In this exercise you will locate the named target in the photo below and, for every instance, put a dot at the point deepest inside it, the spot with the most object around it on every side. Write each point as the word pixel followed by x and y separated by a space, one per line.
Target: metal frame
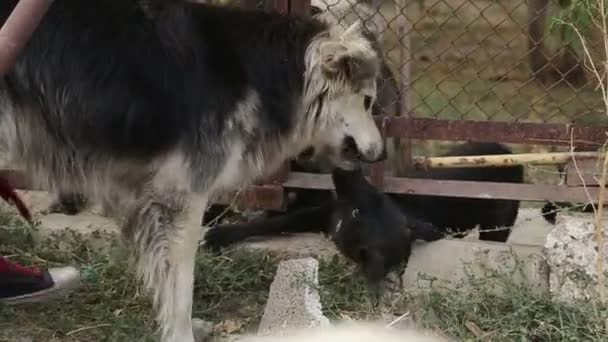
pixel 271 192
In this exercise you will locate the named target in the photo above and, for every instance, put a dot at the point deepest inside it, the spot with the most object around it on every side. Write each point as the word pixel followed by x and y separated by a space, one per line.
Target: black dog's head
pixel 368 227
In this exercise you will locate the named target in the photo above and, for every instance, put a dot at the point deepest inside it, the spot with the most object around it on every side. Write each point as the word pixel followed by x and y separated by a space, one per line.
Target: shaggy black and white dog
pixel 140 112
pixel 334 12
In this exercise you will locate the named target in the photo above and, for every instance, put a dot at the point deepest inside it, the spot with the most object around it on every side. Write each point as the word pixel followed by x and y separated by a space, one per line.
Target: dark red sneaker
pixel 20 284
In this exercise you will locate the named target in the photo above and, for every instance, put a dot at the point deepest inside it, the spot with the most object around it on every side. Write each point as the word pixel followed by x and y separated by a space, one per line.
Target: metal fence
pixel 484 60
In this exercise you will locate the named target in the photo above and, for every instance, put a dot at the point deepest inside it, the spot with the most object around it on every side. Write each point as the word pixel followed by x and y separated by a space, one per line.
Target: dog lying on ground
pixel 376 230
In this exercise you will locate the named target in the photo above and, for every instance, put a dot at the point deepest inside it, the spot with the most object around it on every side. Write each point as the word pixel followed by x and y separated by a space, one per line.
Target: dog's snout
pixel 369 154
pixel 374 153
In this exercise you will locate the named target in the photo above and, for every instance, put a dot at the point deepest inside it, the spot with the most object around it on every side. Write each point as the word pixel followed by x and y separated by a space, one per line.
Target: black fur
pixel 462 214
pixel 107 49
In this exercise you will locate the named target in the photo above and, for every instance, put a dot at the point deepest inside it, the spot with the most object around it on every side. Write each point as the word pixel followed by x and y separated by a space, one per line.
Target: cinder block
pixel 452 261
pixel 572 254
pixel 293 300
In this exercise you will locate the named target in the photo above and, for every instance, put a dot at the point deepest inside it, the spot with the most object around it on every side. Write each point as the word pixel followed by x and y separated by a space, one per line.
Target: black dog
pixel 458 215
pixel 376 230
pixel 365 225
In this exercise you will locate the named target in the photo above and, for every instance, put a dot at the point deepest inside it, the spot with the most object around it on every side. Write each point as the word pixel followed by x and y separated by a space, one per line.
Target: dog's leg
pixel 164 231
pixel 316 219
pixel 67 203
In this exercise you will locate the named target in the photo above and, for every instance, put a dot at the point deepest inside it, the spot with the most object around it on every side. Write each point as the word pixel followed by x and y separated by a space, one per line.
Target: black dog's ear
pixel 424 231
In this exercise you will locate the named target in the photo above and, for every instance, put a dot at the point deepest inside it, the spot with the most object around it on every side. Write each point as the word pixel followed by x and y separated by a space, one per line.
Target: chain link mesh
pixel 477 60
pixel 488 60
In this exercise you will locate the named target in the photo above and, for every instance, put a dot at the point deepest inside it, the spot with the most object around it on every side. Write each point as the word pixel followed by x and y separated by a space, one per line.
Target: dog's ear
pixel 350 56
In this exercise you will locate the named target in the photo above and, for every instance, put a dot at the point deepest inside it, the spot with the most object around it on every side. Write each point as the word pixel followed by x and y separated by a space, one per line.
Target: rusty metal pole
pixel 18 29
pixel 403 148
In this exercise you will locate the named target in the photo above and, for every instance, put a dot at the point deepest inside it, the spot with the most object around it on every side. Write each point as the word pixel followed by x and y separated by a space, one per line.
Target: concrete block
pixel 572 255
pixel 293 300
pixel 452 261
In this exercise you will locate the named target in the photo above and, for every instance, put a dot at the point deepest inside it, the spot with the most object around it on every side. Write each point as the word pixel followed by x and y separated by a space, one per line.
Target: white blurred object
pixel 349 332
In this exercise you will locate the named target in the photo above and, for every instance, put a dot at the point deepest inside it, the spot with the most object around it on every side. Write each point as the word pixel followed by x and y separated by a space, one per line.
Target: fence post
pixel 18 29
pixel 403 148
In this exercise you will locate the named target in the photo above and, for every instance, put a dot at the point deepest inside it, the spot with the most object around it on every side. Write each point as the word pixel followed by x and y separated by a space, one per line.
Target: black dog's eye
pixel 355 213
pixel 367 102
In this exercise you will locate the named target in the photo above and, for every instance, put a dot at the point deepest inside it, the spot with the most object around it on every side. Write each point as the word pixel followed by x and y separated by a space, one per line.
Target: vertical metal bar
pixel 377 169
pixel 404 145
pixel 18 29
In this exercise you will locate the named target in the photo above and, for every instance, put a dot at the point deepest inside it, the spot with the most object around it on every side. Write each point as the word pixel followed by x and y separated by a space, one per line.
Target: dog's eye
pixel 367 102
pixel 355 213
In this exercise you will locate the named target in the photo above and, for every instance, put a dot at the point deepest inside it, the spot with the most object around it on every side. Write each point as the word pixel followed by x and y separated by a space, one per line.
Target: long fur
pixel 387 102
pixel 139 110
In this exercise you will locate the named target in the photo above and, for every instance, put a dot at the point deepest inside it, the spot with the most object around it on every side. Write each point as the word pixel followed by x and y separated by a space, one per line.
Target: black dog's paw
pixel 71 204
pixel 216 239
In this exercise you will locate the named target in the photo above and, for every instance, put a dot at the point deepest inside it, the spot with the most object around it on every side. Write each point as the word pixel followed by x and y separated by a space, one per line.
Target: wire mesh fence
pixel 481 59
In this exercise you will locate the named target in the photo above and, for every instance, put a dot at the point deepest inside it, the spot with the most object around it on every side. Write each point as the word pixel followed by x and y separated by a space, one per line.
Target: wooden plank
pixel 450 188
pixel 503 160
pixel 590 173
pixel 18 28
pixel 269 197
pixel 495 131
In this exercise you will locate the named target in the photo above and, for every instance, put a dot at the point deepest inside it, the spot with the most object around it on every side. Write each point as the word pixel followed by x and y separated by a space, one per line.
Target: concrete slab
pixel 448 261
pixel 530 228
pixel 293 246
pixel 293 300
pixel 572 254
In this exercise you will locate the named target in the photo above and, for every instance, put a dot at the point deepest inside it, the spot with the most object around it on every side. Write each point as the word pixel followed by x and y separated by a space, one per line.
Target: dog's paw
pixel 67 204
pixel 202 330
pixel 215 239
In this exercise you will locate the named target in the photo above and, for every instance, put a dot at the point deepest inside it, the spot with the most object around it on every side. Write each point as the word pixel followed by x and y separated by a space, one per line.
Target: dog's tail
pixel 8 193
pixel 549 212
pixel 313 220
pixel 424 231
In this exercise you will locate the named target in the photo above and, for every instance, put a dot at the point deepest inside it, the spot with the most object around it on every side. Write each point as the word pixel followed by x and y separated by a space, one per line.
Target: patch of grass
pixel 476 313
pixel 342 291
pixel 231 290
pixel 110 307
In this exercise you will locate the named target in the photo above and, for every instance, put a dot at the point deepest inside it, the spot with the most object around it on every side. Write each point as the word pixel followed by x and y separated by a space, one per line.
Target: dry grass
pixel 231 290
